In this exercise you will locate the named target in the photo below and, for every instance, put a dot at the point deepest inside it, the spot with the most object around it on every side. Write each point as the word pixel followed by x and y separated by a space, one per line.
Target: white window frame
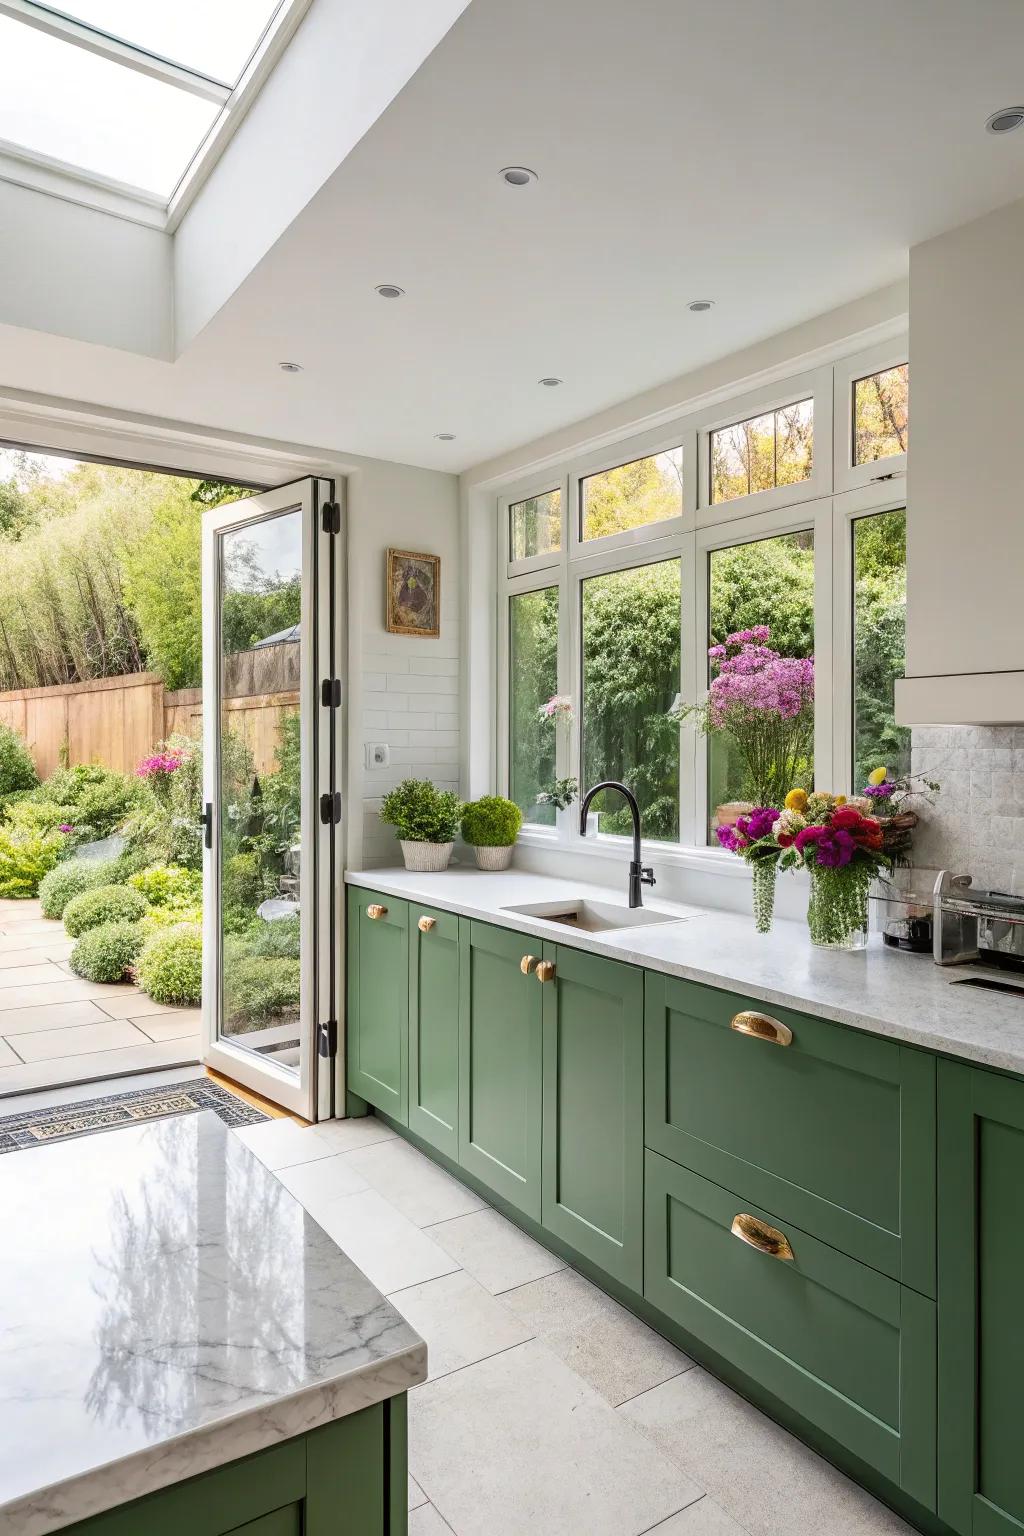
pixel 551 558
pixel 861 365
pixel 645 446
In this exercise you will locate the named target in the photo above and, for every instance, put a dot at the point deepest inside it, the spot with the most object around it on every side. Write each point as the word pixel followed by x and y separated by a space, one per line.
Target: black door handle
pixel 206 822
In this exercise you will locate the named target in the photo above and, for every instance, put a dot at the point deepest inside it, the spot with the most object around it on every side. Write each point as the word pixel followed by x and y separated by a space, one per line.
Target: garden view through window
pixel 880 420
pixel 535 526
pixel 633 495
pixel 533 679
pixel 773 449
pixel 879 643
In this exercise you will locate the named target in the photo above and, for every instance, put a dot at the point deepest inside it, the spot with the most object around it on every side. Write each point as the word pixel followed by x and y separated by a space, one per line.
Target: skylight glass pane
pixel 60 100
pixel 214 37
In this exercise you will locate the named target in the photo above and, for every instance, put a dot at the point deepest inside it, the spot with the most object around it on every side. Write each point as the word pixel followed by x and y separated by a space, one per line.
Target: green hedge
pixel 107 952
pixel 170 967
pixel 104 904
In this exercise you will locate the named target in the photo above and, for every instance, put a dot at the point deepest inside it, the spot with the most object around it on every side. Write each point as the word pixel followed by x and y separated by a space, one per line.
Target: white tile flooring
pixel 549 1409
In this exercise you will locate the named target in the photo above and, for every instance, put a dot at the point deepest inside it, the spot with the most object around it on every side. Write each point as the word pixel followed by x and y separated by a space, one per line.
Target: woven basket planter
pixel 426 857
pixel 493 858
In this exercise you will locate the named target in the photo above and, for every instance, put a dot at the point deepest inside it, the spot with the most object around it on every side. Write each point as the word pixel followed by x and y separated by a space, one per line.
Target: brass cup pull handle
pixel 528 964
pixel 546 970
pixel 374 910
pixel 758 1234
pixel 426 923
pixel 762 1027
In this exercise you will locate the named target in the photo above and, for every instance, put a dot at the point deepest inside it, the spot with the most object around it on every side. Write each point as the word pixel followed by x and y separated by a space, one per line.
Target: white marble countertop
pixel 881 990
pixel 167 1306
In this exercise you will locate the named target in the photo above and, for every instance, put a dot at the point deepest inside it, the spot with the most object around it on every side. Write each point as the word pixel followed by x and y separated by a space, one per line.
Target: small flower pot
pixel 427 858
pixel 493 858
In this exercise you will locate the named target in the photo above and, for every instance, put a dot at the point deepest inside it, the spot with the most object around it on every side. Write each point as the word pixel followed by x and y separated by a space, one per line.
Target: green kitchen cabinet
pixel 500 1063
pixel 592 1175
pixel 377 1033
pixel 434 1027
pixel 981 1276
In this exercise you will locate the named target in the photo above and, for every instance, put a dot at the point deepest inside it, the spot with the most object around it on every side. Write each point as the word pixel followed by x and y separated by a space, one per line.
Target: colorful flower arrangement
pixel 766 703
pixel 890 801
pixel 558 708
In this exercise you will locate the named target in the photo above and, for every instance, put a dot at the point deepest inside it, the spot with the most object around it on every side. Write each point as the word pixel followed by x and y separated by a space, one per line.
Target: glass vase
pixel 764 872
pixel 837 911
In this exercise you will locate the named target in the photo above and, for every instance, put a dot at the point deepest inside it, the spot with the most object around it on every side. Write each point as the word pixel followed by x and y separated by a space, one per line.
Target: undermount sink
pixel 594 916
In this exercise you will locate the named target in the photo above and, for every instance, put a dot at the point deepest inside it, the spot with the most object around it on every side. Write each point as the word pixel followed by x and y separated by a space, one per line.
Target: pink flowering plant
pixel 765 701
pixel 753 837
pixel 159 769
pixel 558 708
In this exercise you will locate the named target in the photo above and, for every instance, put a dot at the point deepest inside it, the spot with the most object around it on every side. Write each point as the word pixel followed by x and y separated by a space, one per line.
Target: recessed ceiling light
pixel 390 291
pixel 445 437
pixel 1005 120
pixel 550 382
pixel 518 175
pixel 290 367
pixel 700 306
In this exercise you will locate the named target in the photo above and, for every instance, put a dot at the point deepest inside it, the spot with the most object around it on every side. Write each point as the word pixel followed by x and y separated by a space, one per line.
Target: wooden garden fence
pixel 117 721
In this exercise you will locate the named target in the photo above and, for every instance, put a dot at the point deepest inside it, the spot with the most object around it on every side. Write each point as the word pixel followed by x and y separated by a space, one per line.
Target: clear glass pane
pixel 261 875
pixel 632 495
pixel 630 682
pixel 535 526
pixel 768 582
pixel 879 643
pixel 214 37
pixel 533 679
pixel 64 102
pixel 880 420
pixel 763 452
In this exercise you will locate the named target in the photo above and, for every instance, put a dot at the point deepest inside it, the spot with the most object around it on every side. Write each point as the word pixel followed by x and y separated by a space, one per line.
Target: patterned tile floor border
pixel 35 1128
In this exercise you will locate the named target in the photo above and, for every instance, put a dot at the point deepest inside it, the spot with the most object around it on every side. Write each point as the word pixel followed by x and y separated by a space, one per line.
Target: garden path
pixel 56 1028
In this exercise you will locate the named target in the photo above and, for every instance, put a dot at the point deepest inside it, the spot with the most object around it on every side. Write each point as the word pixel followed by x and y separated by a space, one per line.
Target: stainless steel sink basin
pixel 594 916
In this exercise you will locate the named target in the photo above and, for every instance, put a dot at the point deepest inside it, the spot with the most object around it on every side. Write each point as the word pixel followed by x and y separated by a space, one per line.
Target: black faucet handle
pixel 647 875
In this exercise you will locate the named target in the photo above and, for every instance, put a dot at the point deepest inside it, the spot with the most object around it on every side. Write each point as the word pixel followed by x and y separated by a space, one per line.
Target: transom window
pixel 634 495
pixel 763 452
pixel 535 526
pixel 880 414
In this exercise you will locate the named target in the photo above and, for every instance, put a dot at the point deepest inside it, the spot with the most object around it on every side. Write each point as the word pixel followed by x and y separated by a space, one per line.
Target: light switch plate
pixel 378 754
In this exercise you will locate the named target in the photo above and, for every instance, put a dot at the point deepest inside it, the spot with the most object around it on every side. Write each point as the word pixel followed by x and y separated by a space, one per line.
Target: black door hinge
pixel 330 809
pixel 327 1038
pixel 330 693
pixel 331 517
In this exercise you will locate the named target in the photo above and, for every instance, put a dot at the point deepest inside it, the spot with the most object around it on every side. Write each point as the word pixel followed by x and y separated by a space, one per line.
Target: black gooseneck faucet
pixel 639 875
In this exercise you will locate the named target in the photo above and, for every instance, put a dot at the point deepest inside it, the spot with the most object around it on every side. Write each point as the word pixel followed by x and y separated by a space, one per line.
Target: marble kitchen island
pixel 183 1349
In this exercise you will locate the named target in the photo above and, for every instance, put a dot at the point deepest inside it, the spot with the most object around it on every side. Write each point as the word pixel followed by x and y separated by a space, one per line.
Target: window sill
pixel 709 861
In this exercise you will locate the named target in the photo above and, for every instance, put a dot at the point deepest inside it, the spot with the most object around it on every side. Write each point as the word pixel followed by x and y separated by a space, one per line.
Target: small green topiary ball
pixel 103 904
pixel 491 822
pixel 170 968
pixel 107 952
pixel 70 879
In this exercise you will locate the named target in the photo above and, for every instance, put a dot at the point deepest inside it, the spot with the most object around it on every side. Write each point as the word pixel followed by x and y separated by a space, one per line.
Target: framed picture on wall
pixel 413 594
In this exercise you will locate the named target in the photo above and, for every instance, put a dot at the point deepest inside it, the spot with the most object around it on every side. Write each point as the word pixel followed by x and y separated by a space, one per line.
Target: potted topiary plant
pixel 425 820
pixel 491 825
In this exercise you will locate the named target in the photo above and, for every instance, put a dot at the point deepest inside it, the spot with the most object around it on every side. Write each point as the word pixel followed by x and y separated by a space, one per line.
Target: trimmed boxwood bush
pixel 107 952
pixel 104 904
pixel 70 879
pixel 491 822
pixel 170 967
pixel 259 989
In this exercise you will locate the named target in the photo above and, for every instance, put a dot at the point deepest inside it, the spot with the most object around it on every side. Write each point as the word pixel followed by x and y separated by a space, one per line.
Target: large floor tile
pixel 347 1135
pixel 494 1251
pixel 99 1065
pixel 382 1242
pixel 58 1044
pixel 413 1184
pixel 768 1481
pixel 460 1321
pixel 319 1182
pixel 15 959
pixel 705 1518
pixel 519 1444
pixel 130 1003
pixel 28 922
pixel 44 994
pixel 14 940
pixel 34 1021
pixel 30 974
pixel 169 1026
pixel 282 1143
pixel 605 1344
pixel 7 1056
pixel 425 1521
pixel 416 1494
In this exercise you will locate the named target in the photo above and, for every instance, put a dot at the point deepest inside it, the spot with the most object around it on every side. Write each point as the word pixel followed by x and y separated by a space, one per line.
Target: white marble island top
pixel 167 1306
pixel 880 990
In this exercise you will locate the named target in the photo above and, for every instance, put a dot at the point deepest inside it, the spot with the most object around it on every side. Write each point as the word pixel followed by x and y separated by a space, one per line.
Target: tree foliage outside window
pixel 533 679
pixel 879 643
pixel 776 448
pixel 535 526
pixel 633 495
pixel 880 414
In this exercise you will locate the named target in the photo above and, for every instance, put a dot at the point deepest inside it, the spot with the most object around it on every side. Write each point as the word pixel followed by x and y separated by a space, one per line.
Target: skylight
pixel 123 95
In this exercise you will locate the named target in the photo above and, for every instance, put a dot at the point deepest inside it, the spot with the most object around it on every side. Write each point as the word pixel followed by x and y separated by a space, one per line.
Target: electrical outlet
pixel 378 754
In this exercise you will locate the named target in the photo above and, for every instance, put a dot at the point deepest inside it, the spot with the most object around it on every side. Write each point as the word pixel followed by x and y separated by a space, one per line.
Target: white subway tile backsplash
pixel 440 666
pixel 413 682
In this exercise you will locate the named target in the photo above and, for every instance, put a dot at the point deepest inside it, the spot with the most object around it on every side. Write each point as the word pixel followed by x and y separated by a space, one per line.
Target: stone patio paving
pixel 56 1028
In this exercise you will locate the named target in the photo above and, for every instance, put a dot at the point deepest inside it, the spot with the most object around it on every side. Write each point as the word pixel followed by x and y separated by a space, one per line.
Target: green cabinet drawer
pixel 834 1130
pixel 847 1348
pixel 981 1338
pixel 377 1031
pixel 434 1027
pixel 500 1064
pixel 592 1182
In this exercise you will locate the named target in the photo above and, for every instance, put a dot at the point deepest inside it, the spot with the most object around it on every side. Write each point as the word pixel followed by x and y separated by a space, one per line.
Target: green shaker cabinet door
pixel 378 1001
pixel 981 1336
pixel 500 1064
pixel 593 1110
pixel 434 1027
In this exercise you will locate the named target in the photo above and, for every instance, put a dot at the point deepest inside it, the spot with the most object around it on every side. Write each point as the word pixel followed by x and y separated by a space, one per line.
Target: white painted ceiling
pixel 779 158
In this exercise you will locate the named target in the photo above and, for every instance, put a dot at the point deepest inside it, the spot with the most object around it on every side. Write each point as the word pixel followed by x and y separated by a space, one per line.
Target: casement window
pixel 763 452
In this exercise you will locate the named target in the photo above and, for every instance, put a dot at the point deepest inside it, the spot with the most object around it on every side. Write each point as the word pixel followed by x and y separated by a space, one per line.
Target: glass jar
pixel 837 911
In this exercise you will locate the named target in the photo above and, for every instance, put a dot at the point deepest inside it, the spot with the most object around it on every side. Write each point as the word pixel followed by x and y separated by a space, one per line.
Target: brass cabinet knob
pixel 528 963
pixel 426 923
pixel 762 1027
pixel 546 970
pixel 374 910
pixel 758 1234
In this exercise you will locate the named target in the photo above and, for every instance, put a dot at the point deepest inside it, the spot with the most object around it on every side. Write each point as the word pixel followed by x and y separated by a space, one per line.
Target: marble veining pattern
pixel 905 997
pixel 168 1306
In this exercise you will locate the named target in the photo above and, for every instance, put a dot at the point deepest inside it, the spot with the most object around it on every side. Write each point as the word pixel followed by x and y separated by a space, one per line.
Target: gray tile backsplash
pixel 977 822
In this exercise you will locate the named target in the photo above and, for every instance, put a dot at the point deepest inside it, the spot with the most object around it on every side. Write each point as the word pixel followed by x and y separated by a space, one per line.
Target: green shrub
pixel 107 952
pixel 103 904
pixel 259 989
pixel 168 885
pixel 421 813
pixel 242 883
pixel 491 822
pixel 159 919
pixel 17 770
pixel 92 796
pixel 170 966
pixel 69 879
pixel 25 857
pixel 280 939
